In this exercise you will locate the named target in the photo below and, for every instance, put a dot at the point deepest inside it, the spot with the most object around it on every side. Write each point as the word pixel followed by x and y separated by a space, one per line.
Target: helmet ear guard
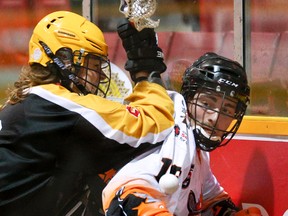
pixel 217 75
pixel 63 68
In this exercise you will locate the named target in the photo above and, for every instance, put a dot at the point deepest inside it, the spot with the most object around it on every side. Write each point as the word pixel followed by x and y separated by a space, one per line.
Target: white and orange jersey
pixel 177 155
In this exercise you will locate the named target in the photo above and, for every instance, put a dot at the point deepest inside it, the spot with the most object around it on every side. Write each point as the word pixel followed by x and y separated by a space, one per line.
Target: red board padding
pixel 254 172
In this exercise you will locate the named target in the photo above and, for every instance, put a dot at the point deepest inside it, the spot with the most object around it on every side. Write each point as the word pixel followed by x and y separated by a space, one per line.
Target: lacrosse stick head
pixel 139 12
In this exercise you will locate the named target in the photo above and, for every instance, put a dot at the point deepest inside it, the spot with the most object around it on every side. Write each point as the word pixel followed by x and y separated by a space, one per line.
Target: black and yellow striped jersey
pixel 54 139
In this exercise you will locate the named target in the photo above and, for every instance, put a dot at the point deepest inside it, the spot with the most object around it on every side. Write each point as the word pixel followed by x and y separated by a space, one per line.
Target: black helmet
pixel 217 75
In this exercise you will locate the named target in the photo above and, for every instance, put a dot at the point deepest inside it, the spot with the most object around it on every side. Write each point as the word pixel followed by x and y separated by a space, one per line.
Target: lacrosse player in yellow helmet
pixel 58 133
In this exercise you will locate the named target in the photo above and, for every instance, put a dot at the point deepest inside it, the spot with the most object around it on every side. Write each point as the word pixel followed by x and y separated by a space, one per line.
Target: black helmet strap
pixel 61 66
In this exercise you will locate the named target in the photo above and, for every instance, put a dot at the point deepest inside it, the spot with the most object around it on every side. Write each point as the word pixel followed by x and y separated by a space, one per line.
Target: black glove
pixel 141 48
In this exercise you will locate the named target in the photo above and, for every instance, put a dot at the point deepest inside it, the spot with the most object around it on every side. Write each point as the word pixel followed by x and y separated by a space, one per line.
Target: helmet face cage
pixel 89 66
pixel 207 141
pixel 221 77
pixel 92 71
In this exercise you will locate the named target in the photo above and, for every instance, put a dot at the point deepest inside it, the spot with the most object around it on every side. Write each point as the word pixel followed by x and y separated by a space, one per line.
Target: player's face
pixel 212 112
pixel 90 73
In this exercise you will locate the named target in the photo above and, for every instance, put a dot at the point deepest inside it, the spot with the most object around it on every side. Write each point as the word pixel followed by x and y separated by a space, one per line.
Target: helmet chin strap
pixel 62 67
pixel 203 140
pixel 203 132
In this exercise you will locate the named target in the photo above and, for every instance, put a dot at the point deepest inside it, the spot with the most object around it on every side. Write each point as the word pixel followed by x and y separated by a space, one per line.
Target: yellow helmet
pixel 75 48
pixel 65 29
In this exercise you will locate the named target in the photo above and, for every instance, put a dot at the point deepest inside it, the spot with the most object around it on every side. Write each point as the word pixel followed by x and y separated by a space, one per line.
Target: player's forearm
pixel 155 107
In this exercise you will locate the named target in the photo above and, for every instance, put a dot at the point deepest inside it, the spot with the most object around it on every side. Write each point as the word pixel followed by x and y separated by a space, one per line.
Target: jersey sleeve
pixel 146 118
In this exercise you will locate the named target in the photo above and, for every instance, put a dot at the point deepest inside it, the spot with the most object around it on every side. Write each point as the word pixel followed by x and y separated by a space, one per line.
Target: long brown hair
pixel 33 75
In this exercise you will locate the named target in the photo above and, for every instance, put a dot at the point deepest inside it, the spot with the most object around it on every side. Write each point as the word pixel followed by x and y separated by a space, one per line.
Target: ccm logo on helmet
pixel 227 82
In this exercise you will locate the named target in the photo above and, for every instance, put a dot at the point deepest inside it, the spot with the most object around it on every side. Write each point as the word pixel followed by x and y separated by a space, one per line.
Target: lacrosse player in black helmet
pixel 176 179
pixel 216 89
